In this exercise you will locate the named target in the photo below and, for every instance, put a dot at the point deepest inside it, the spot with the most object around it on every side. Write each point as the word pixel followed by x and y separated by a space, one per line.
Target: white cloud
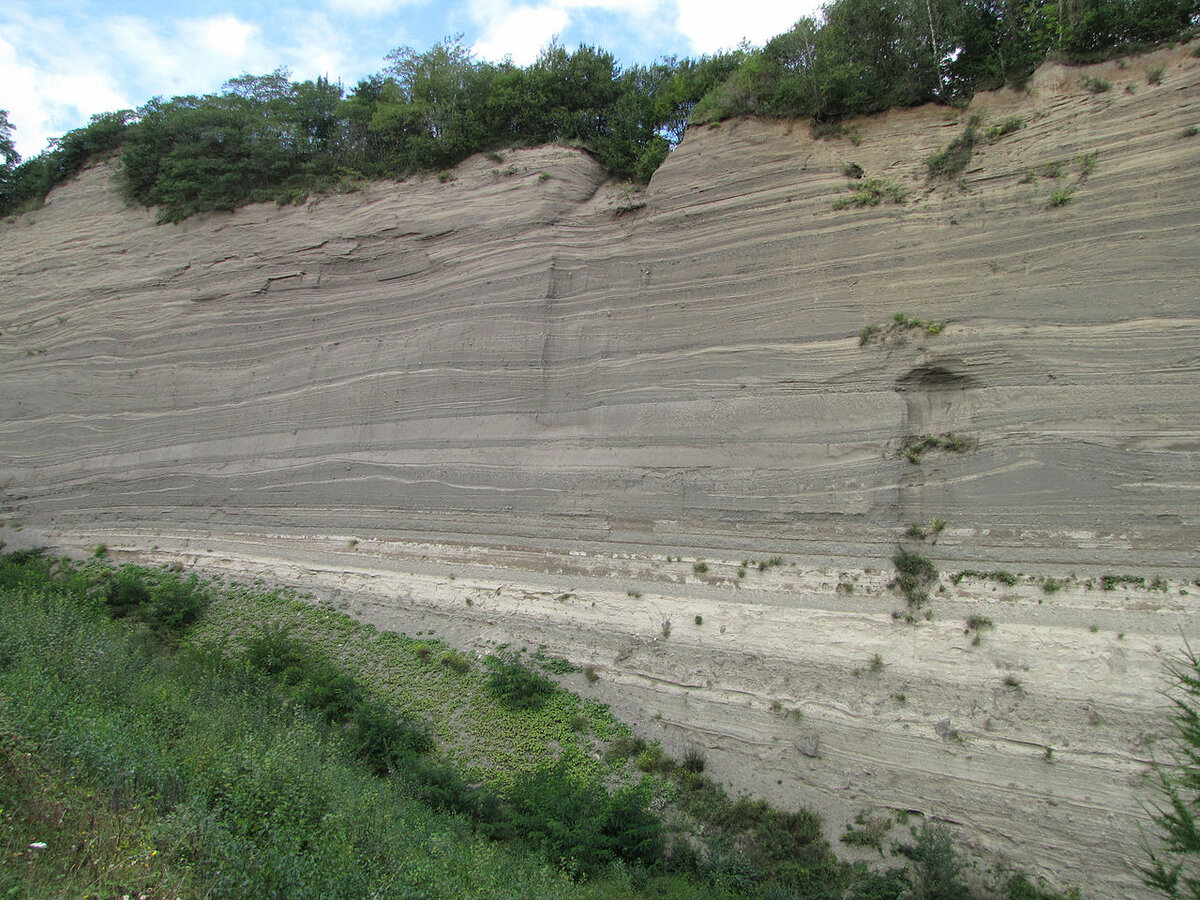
pixel 519 32
pixel 366 8
pixel 711 25
pixel 226 35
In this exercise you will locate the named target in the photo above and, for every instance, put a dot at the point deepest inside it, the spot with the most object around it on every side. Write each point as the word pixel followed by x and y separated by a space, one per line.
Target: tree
pixel 8 149
pixel 1174 867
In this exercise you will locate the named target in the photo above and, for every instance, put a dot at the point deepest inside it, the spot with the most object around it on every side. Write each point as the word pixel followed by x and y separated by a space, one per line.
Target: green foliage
pixel 693 760
pixel 514 684
pixel 1008 126
pixel 979 623
pixel 1173 869
pixel 577 823
pixel 936 865
pixel 1096 85
pixel 25 186
pixel 381 739
pixel 156 772
pixel 949 163
pixel 456 662
pixel 914 575
pixel 1155 75
pixel 1112 582
pixel 1003 577
pixel 916 448
pixel 871 192
pixel 868 831
pixel 1060 197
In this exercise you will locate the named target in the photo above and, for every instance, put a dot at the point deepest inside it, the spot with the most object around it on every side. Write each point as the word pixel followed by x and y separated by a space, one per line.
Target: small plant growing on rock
pixel 914 576
pixel 1096 85
pixel 949 163
pixel 870 831
pixel 916 448
pixel 1060 197
pixel 1008 126
pixel 872 192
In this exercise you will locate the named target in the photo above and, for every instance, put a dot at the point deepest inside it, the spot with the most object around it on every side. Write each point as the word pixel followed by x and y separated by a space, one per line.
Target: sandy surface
pixel 549 385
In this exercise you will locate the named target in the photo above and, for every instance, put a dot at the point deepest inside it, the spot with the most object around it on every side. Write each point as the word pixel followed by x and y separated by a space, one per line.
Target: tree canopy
pixel 266 137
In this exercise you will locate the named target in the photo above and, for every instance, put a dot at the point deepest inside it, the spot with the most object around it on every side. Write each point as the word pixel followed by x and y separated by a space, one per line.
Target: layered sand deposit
pixel 553 397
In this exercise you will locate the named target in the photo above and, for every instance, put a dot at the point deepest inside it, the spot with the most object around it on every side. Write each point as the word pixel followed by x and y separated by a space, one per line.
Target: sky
pixel 63 62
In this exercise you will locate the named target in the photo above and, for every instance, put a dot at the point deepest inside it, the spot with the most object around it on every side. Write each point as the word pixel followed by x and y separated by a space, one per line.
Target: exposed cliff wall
pixel 540 383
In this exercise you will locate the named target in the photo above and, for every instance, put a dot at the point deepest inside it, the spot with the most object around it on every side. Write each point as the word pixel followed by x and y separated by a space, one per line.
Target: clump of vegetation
pixel 1112 582
pixel 516 685
pixel 867 830
pixel 872 192
pixel 853 170
pixel 1096 85
pixel 950 162
pixel 901 323
pixel 914 576
pixel 555 665
pixel 1053 585
pixel 456 662
pixel 922 532
pixel 1173 869
pixel 1155 75
pixel 1008 126
pixel 979 623
pixel 1000 575
pixel 916 448
pixel 1053 170
pixel 700 568
pixel 764 565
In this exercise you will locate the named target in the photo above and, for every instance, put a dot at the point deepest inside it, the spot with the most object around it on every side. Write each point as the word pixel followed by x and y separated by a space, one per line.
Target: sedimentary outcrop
pixel 545 384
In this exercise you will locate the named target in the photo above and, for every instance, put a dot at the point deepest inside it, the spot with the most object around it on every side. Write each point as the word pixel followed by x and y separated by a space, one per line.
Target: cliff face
pixel 546 384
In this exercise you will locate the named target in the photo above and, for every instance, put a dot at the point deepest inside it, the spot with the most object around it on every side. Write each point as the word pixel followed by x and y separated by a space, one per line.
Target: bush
pixel 515 685
pixel 950 162
pixel 578 823
pixel 176 604
pixel 127 594
pixel 1096 85
pixel 1008 126
pixel 1174 867
pixel 456 662
pixel 380 738
pixel 914 575
pixel 872 192
pixel 937 868
pixel 693 760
